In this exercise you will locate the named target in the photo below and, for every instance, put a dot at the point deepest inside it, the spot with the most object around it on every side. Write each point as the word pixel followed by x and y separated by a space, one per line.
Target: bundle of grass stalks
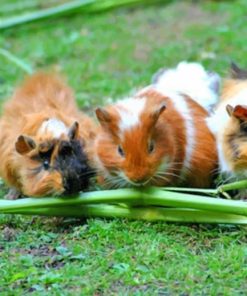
pixel 59 8
pixel 152 204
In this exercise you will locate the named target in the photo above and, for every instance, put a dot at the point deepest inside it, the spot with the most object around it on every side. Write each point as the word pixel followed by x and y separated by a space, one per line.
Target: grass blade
pixel 212 192
pixel 104 196
pixel 147 197
pixel 109 4
pixel 233 186
pixel 62 9
pixel 68 8
pixel 18 62
pixel 159 197
pixel 139 213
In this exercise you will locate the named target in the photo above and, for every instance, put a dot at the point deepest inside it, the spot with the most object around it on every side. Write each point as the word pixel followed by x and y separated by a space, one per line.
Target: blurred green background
pixel 106 55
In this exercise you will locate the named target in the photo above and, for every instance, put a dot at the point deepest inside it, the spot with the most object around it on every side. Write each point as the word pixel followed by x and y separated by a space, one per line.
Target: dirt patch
pixel 8 233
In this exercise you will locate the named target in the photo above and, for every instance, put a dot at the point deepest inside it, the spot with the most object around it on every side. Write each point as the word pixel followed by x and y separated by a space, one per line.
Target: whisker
pixel 161 177
pixel 180 177
pixel 115 181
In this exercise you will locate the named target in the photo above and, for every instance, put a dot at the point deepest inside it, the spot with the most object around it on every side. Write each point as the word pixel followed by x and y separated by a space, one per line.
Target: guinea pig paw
pixel 12 194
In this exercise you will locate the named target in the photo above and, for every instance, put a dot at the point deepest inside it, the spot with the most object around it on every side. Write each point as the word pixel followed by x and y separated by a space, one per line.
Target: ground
pixel 106 56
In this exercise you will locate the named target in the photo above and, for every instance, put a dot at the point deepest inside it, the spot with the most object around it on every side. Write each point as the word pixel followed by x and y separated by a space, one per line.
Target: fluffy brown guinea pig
pixel 229 123
pixel 44 139
pixel 160 137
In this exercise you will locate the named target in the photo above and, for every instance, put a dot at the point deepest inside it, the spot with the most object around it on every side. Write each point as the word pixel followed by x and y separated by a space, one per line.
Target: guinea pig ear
pixel 240 112
pixel 24 144
pixel 73 132
pixel 157 112
pixel 103 116
pixel 238 73
pixel 229 110
pixel 107 121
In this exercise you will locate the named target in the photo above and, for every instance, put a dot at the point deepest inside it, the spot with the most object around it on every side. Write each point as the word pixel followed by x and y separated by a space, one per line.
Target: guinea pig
pixel 160 136
pixel 229 123
pixel 44 139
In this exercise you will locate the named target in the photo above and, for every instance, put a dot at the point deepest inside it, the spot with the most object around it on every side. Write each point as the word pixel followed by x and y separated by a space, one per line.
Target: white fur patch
pixel 129 111
pixel 192 80
pixel 182 107
pixel 224 166
pixel 54 126
pixel 218 123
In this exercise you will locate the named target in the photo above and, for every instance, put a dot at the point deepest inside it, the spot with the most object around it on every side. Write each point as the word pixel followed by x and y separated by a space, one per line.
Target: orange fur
pixel 166 128
pixel 229 123
pixel 234 141
pixel 204 158
pixel 41 97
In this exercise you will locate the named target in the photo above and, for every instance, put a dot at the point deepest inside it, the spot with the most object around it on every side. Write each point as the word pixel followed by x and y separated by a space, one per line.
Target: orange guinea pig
pixel 229 123
pixel 44 139
pixel 160 136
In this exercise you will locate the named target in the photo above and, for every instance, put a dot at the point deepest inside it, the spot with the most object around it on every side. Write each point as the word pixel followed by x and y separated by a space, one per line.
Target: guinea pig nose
pixel 71 186
pixel 139 179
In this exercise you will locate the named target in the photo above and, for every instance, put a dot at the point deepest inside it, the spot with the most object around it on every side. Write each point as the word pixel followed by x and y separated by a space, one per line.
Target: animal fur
pixel 229 123
pixel 158 137
pixel 44 139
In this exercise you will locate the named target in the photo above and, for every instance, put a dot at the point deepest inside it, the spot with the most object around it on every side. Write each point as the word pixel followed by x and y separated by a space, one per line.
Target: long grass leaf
pixel 68 8
pixel 104 196
pixel 63 9
pixel 147 197
pixel 18 62
pixel 99 6
pixel 154 196
pixel 140 213
pixel 207 191
pixel 233 186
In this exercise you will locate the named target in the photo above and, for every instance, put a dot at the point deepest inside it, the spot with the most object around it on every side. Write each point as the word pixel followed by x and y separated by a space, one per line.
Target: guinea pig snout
pixel 138 180
pixel 72 163
pixel 72 185
pixel 76 179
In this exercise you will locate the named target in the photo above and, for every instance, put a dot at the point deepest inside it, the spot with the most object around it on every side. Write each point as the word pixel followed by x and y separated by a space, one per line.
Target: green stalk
pixel 105 196
pixel 140 213
pixel 23 5
pixel 159 197
pixel 233 186
pixel 68 8
pixel 18 62
pixel 62 9
pixel 151 197
pixel 108 4
pixel 212 192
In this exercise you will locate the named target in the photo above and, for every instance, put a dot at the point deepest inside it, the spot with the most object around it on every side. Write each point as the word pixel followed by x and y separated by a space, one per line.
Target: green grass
pixel 108 55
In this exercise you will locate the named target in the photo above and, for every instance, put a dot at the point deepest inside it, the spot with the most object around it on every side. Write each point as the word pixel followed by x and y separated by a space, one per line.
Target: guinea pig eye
pixel 65 148
pixel 46 165
pixel 120 151
pixel 151 147
pixel 243 128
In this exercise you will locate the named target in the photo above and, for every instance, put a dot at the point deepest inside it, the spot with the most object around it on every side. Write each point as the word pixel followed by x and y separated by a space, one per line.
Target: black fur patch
pixel 72 162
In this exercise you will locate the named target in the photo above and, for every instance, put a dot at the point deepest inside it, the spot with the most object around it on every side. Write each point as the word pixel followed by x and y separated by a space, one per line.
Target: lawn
pixel 106 56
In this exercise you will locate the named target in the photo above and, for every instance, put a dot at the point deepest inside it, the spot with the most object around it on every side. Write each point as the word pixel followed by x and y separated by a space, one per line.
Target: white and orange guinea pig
pixel 229 123
pixel 160 136
pixel 44 139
